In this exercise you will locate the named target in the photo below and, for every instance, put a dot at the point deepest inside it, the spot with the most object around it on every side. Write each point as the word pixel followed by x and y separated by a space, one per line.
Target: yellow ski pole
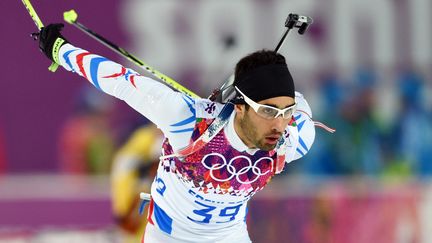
pixel 71 17
pixel 53 67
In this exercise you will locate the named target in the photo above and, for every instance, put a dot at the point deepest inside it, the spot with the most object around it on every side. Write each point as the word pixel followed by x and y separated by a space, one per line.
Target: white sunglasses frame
pixel 255 106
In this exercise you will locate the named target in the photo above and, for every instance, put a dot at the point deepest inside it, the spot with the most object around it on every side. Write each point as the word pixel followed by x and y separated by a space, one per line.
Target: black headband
pixel 266 82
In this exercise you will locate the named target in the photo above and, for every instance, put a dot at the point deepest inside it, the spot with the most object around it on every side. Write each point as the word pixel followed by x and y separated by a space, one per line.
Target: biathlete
pixel 215 156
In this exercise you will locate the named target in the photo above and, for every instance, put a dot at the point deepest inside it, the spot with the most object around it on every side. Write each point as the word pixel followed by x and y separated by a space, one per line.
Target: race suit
pixel 201 197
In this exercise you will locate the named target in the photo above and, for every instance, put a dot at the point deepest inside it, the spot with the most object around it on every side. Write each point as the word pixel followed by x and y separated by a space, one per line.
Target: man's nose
pixel 279 124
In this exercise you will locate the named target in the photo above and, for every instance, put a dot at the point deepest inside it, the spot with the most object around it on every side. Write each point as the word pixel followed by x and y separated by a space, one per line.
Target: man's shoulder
pixel 208 109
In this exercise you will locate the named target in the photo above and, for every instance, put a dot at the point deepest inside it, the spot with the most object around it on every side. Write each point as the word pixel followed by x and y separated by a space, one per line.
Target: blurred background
pixel 70 166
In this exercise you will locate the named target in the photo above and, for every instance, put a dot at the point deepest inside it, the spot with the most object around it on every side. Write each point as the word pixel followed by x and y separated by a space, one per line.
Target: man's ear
pixel 239 109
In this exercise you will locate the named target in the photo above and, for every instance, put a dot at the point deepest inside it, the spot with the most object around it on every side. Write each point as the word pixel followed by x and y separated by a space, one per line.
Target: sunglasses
pixel 269 112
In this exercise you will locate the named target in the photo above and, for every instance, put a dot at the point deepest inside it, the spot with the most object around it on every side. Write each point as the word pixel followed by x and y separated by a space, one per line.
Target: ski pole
pixel 71 17
pixel 53 67
pixel 226 91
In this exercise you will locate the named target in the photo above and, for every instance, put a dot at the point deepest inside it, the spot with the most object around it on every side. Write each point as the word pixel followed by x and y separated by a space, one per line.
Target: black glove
pixel 50 40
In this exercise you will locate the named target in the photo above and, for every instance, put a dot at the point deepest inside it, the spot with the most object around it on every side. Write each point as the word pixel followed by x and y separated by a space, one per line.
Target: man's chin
pixel 266 146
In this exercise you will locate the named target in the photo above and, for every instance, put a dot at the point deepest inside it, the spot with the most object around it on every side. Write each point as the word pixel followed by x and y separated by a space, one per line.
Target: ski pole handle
pixel 53 67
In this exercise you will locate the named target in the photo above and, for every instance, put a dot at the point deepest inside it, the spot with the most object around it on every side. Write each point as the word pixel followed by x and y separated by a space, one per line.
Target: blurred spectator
pixel 325 159
pixel 412 133
pixel 87 141
pixel 133 170
pixel 350 108
pixel 361 137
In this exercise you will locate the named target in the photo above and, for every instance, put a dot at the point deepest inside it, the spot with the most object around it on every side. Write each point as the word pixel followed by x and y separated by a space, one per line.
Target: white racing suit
pixel 201 197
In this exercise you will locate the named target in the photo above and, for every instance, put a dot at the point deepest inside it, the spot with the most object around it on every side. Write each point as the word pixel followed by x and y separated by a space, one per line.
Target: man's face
pixel 258 132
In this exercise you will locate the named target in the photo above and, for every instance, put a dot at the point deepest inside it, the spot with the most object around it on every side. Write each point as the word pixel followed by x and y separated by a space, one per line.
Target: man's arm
pixel 171 111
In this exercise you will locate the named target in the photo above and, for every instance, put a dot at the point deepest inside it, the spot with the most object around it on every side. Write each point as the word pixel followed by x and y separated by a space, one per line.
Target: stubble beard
pixel 250 132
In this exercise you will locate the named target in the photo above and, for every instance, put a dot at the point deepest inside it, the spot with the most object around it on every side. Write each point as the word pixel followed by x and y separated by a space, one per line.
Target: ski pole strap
pixel 56 47
pixel 145 198
pixel 212 130
pixel 27 4
pixel 280 157
pixel 324 126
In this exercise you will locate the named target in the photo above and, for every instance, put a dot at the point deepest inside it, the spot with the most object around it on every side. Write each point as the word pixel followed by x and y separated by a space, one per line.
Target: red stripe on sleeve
pixel 132 80
pixel 123 71
pixel 80 58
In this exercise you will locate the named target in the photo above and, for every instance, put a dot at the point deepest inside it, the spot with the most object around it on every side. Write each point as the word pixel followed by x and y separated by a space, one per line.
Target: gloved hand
pixel 50 40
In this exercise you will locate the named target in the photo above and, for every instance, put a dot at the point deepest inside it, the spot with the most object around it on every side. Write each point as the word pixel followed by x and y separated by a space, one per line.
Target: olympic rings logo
pixel 216 163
